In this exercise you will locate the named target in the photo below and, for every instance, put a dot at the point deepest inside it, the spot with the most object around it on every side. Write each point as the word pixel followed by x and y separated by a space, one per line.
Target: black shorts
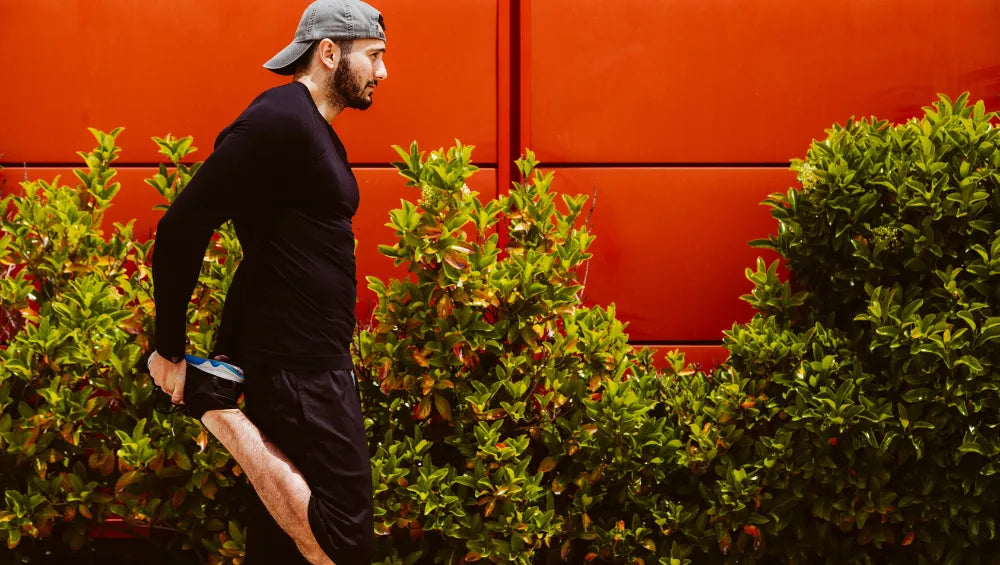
pixel 314 417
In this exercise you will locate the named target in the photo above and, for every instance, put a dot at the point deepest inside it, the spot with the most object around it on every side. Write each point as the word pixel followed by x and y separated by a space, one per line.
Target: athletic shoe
pixel 215 367
pixel 210 384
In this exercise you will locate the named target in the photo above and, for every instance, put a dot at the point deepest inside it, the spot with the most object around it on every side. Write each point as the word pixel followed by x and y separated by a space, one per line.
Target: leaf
pixel 443 406
pixel 202 440
pixel 547 464
pixel 126 479
pixel 182 460
pixel 209 489
pixel 420 358
pixel 456 260
pixel 424 408
pixel 445 306
pixel 132 325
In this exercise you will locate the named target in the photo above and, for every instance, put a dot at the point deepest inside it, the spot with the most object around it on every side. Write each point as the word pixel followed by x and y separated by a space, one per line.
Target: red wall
pixel 681 114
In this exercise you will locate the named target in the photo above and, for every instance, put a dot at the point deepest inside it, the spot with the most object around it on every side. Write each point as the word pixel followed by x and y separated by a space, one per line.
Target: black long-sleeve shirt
pixel 280 173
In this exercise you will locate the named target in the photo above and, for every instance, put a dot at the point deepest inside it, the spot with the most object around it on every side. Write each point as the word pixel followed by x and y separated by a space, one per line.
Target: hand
pixel 168 376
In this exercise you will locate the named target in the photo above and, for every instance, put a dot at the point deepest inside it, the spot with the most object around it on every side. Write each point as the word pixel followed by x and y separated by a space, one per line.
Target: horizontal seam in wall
pixel 547 165
pixel 118 165
pixel 491 165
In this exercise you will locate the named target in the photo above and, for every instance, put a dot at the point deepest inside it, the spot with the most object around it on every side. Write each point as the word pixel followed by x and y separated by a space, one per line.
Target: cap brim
pixel 283 62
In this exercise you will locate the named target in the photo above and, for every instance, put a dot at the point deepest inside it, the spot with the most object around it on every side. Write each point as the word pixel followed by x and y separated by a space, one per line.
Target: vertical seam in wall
pixel 516 102
pixel 503 95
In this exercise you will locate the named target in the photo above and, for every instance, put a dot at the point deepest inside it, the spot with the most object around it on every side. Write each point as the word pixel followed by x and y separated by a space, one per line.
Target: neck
pixel 327 108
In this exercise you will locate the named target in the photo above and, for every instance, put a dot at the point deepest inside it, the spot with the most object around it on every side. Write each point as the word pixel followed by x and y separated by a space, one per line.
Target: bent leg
pixel 279 484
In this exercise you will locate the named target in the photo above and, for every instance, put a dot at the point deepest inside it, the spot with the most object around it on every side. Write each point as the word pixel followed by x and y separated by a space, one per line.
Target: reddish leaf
pixel 125 480
pixel 424 408
pixel 547 464
pixel 420 359
pixel 725 543
pixel 426 385
pixel 456 259
pixel 443 407
pixel 209 489
pixel 202 440
pixel 178 497
pixel 445 306
pixel 132 325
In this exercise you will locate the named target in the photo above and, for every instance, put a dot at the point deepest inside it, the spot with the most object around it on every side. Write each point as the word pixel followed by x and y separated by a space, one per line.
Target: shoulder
pixel 284 109
pixel 278 115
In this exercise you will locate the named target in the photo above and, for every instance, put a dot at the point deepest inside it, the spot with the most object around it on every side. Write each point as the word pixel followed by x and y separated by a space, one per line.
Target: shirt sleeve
pixel 233 178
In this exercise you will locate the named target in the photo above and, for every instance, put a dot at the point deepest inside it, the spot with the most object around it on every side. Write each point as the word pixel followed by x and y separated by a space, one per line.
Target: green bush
pixel 855 422
pixel 80 441
pixel 865 392
pixel 508 422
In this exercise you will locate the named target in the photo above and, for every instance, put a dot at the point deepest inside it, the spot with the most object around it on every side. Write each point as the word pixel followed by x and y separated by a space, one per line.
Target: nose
pixel 380 71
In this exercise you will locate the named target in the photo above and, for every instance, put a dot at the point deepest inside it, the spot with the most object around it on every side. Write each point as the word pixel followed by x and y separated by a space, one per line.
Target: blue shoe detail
pixel 216 368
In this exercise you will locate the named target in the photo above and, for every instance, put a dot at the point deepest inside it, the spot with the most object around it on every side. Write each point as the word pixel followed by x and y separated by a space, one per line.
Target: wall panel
pixel 671 248
pixel 703 357
pixel 189 67
pixel 713 81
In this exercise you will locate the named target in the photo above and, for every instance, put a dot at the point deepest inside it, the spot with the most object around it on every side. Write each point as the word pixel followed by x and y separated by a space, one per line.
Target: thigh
pixel 314 417
pixel 272 405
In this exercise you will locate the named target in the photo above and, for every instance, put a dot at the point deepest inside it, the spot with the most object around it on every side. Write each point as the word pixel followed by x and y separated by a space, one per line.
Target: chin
pixel 362 104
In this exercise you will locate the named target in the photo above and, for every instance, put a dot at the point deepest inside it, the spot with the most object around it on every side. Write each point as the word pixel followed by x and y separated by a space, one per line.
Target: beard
pixel 347 89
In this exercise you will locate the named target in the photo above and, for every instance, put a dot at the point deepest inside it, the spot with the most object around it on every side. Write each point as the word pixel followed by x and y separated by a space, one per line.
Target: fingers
pixel 168 376
pixel 177 397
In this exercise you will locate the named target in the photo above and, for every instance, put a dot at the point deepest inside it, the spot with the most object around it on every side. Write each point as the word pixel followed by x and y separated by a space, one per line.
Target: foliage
pixel 855 422
pixel 865 392
pixel 509 423
pixel 80 440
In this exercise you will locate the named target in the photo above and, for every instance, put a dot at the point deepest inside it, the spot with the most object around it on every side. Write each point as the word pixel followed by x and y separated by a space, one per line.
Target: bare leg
pixel 278 483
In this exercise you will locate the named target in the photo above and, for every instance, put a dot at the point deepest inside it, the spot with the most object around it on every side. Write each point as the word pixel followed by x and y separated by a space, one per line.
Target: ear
pixel 328 53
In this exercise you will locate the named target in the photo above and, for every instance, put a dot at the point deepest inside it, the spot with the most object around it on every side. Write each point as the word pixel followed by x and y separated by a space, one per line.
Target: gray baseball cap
pixel 333 19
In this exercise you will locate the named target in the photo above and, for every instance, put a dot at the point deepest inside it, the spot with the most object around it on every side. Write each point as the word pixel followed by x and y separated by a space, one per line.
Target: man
pixel 280 173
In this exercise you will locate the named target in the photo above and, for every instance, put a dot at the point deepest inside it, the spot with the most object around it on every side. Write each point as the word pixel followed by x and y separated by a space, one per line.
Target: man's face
pixel 358 72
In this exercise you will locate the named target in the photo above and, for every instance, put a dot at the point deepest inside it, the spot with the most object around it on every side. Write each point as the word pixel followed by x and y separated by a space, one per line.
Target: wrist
pixel 175 359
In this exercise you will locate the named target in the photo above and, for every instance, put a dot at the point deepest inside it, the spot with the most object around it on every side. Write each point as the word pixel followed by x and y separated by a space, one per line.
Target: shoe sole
pixel 216 368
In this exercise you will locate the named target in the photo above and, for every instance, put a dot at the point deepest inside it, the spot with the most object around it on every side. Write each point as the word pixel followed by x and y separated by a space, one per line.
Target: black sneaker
pixel 210 385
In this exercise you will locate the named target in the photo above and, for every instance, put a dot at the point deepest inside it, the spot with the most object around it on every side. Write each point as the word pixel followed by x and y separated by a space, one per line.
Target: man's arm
pixel 231 180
